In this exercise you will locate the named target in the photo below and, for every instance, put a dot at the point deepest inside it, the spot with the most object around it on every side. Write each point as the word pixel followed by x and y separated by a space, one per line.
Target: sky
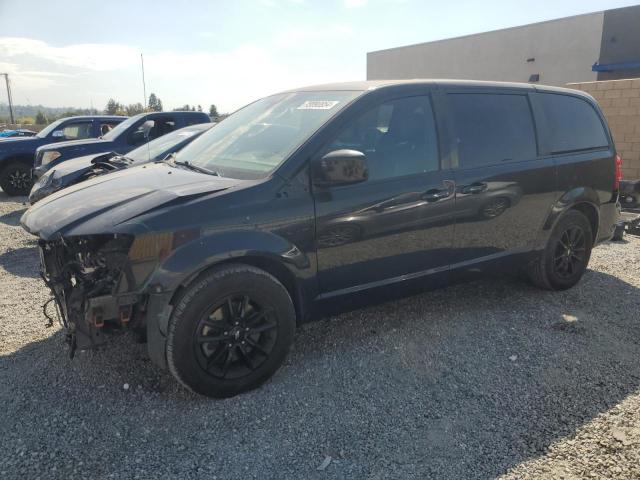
pixel 80 53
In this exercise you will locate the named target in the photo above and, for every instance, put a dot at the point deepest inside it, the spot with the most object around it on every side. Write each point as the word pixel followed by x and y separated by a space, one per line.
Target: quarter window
pixel 492 128
pixel 571 124
pixel 398 138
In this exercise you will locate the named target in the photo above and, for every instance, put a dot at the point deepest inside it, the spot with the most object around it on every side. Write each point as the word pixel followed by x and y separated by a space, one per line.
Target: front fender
pixel 187 262
pixel 18 155
pixel 191 259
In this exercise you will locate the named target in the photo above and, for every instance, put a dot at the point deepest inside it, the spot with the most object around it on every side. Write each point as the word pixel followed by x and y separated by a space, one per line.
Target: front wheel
pixel 230 331
pixel 565 258
pixel 15 179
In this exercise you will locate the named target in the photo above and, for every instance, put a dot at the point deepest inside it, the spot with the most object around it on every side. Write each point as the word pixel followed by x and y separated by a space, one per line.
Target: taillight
pixel 616 183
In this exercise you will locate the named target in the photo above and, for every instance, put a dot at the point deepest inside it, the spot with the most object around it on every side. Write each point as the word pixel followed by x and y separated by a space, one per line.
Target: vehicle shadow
pixel 22 262
pixel 13 218
pixel 464 382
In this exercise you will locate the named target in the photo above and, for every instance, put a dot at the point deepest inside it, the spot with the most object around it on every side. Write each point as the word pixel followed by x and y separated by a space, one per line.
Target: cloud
pixel 355 3
pixel 90 56
pixel 281 3
pixel 84 73
pixel 28 79
pixel 295 37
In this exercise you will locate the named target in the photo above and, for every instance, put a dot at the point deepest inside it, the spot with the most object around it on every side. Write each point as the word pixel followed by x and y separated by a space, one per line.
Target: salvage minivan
pixel 323 199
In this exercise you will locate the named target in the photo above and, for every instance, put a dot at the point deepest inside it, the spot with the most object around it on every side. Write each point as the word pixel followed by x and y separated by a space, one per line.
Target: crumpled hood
pixel 103 204
pixel 75 164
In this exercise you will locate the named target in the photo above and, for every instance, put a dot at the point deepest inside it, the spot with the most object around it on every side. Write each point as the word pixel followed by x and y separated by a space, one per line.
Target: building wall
pixel 620 41
pixel 564 51
pixel 620 103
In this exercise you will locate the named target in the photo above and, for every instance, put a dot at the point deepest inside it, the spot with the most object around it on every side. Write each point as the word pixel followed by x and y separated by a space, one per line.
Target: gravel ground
pixel 483 380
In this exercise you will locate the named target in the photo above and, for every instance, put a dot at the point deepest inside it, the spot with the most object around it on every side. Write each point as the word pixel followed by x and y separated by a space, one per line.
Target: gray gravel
pixel 475 381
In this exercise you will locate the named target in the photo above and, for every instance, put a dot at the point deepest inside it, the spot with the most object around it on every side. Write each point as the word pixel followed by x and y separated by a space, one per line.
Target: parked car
pixel 214 254
pixel 16 154
pixel 21 132
pixel 132 133
pixel 83 168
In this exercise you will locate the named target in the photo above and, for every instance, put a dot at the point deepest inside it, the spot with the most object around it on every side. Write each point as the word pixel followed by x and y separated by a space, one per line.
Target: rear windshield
pixel 256 139
pixel 160 147
pixel 572 124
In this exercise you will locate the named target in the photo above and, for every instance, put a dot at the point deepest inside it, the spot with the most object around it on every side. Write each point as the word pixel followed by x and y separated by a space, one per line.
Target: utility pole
pixel 6 79
pixel 144 86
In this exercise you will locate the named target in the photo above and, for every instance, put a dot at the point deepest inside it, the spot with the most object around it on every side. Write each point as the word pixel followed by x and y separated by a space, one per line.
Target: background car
pixel 16 154
pixel 21 132
pixel 82 168
pixel 132 133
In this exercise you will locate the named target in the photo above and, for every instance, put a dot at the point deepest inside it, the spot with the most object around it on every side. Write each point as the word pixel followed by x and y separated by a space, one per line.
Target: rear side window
pixel 492 128
pixel 571 124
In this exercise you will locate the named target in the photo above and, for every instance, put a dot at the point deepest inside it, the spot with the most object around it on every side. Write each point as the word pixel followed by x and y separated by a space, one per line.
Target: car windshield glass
pixel 256 139
pixel 47 130
pixel 121 127
pixel 160 147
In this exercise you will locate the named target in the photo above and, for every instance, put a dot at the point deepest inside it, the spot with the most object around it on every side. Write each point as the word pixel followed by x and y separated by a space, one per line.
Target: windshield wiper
pixel 172 159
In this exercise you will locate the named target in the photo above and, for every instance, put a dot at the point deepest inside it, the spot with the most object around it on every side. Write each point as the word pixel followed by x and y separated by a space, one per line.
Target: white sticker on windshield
pixel 318 105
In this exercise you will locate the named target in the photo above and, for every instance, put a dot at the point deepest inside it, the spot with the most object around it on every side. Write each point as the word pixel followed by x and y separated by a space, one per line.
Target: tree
pixel 134 109
pixel 112 107
pixel 213 112
pixel 155 104
pixel 41 118
pixel 199 108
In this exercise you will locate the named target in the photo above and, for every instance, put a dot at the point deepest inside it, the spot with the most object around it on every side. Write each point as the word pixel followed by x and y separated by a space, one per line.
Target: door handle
pixel 436 194
pixel 474 188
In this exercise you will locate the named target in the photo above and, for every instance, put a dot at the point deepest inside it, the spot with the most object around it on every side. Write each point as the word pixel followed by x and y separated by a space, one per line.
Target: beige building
pixel 583 48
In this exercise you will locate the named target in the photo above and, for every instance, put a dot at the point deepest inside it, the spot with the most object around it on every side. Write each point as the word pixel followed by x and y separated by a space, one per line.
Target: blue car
pixel 16 153
pixel 21 132
pixel 83 168
pixel 130 134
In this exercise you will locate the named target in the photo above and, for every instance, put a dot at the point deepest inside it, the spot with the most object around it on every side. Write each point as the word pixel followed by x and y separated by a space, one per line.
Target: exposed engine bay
pixel 90 278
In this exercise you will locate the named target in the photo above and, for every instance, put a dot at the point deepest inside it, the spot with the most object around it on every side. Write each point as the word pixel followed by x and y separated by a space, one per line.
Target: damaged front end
pixel 93 285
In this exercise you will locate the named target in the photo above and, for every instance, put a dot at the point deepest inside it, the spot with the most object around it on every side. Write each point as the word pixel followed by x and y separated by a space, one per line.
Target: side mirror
pixel 340 167
pixel 57 134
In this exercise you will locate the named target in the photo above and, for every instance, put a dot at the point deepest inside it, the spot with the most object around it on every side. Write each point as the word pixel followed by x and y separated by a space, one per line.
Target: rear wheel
pixel 566 256
pixel 15 179
pixel 230 331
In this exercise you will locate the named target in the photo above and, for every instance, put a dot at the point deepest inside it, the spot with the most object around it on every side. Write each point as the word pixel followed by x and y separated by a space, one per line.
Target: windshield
pixel 47 130
pixel 121 127
pixel 160 147
pixel 256 139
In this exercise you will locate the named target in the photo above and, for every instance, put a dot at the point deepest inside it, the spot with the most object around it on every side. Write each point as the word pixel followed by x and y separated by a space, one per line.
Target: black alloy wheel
pixel 566 255
pixel 15 179
pixel 230 330
pixel 570 252
pixel 235 337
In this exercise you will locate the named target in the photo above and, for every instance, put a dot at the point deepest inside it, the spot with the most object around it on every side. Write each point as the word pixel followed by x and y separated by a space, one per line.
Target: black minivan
pixel 322 199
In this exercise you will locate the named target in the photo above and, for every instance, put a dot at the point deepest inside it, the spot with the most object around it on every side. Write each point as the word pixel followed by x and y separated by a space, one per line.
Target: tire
pixel 230 331
pixel 570 243
pixel 15 179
